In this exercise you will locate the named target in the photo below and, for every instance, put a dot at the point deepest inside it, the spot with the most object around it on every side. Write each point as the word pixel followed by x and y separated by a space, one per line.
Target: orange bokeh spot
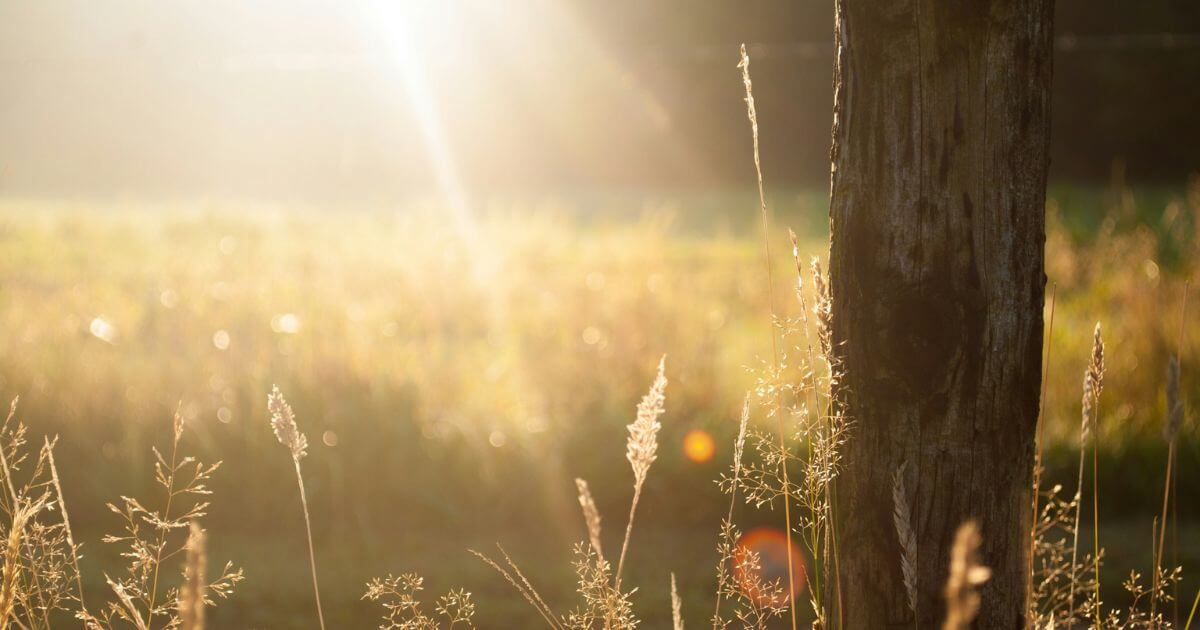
pixel 698 445
pixel 768 582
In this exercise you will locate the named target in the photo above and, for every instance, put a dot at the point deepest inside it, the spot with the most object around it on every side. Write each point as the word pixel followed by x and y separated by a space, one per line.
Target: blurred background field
pixel 454 381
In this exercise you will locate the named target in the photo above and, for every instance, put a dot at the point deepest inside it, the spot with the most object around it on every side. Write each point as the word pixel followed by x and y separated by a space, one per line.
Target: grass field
pixel 455 376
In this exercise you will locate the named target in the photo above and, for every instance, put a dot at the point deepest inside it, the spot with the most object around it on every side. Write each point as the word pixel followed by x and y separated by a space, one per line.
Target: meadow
pixel 455 375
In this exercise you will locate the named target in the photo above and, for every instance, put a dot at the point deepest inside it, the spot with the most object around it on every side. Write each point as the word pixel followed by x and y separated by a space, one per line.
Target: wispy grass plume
pixel 902 516
pixel 283 421
pixel 1093 384
pixel 591 515
pixel 642 448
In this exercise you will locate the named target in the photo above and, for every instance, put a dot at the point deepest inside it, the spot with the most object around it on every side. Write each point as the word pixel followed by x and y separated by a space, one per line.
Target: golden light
pixel 699 446
pixel 760 562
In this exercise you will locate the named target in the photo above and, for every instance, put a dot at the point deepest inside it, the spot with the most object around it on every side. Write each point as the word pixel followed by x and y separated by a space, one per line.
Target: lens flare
pixel 759 582
pixel 698 445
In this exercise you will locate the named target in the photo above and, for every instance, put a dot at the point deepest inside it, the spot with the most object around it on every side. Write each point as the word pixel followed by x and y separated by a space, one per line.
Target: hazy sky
pixel 299 97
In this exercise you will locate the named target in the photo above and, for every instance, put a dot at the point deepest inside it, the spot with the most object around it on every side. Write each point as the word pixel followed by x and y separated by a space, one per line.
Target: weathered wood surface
pixel 938 225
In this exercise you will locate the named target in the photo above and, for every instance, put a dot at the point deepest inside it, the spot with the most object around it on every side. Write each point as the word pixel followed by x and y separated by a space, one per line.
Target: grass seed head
pixel 283 421
pixel 642 447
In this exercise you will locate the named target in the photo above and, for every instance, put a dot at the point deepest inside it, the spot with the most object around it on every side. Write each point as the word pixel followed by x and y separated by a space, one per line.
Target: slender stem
pixel 162 534
pixel 827 419
pixel 1175 542
pixel 62 505
pixel 728 519
pixel 1192 615
pixel 1075 535
pixel 637 493
pixel 1162 533
pixel 312 556
pixel 1096 510
pixel 1175 473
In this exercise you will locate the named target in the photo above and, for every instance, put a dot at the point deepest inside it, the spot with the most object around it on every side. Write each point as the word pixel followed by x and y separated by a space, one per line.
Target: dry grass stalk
pixel 837 422
pixel 676 606
pixel 1175 414
pixel 739 446
pixel 523 587
pixel 723 562
pixel 902 516
pixel 162 533
pixel 966 575
pixel 641 449
pixel 1192 615
pixel 17 439
pixel 524 580
pixel 752 116
pixel 1093 384
pixel 66 519
pixel 283 421
pixel 6 469
pixel 191 596
pixel 11 573
pixel 1170 431
pixel 591 516
pixel 823 309
pixel 152 536
pixel 821 312
pixel 128 610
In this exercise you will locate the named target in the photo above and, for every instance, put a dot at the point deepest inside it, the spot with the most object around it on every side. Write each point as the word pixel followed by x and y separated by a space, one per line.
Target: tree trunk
pixel 940 135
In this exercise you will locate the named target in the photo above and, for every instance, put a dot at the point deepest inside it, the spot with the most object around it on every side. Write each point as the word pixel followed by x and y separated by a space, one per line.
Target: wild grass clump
pixel 1065 587
pixel 41 579
pixel 153 535
pixel 398 595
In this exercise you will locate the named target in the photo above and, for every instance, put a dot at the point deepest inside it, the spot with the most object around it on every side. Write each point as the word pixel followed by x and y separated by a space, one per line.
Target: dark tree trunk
pixel 941 123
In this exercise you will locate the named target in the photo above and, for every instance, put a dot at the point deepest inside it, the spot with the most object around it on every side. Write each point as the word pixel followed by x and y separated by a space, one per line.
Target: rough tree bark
pixel 941 123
